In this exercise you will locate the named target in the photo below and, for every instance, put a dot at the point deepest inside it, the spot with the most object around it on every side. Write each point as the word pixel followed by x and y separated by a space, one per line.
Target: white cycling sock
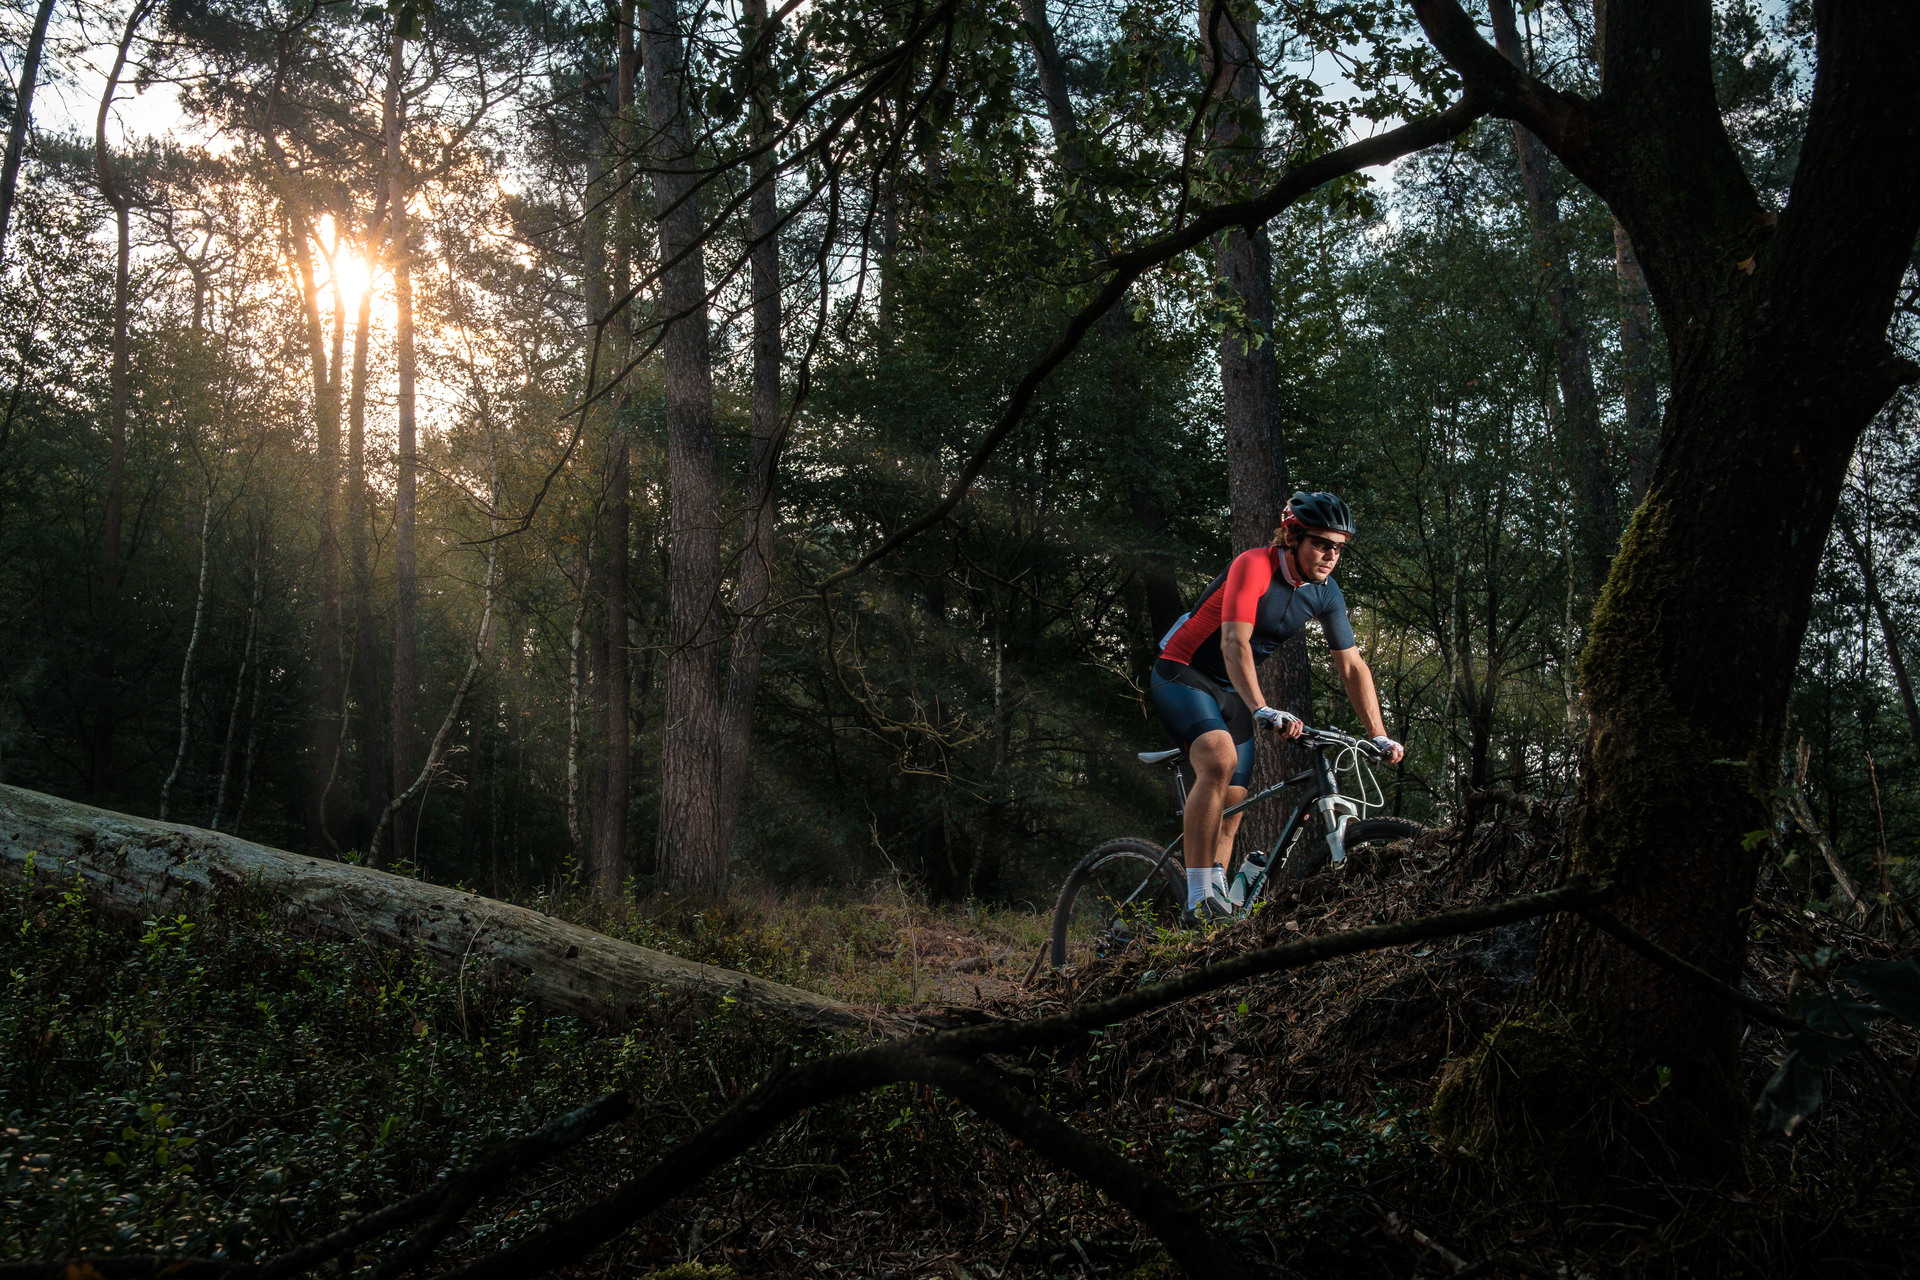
pixel 1217 885
pixel 1198 879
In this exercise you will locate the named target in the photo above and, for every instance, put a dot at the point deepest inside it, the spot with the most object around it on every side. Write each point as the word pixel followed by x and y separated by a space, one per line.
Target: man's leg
pixel 1214 760
pixel 1229 828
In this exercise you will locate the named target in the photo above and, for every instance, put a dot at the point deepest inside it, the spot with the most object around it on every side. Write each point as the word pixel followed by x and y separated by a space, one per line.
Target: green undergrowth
pixel 1301 1178
pixel 214 1085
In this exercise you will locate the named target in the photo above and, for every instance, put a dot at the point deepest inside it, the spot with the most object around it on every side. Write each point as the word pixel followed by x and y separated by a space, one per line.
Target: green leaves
pixel 1895 984
pixel 1835 1026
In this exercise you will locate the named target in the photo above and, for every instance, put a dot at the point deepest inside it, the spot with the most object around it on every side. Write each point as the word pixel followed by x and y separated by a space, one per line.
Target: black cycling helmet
pixel 1319 511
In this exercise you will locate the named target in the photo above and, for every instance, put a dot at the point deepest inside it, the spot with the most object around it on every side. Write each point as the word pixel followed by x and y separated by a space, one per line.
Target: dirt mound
pixel 1340 1030
pixel 1350 1050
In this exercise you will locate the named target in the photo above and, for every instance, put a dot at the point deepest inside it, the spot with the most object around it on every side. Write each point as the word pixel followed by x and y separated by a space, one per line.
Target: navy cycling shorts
pixel 1191 704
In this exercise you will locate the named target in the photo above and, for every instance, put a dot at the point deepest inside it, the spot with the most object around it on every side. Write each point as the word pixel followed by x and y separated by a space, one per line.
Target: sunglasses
pixel 1327 546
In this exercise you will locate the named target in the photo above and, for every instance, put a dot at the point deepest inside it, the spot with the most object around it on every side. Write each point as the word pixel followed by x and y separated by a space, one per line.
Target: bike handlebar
pixel 1335 738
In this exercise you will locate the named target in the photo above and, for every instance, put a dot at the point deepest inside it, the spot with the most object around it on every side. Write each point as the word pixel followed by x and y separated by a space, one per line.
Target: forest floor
pixel 1298 1102
pixel 217 1085
pixel 885 947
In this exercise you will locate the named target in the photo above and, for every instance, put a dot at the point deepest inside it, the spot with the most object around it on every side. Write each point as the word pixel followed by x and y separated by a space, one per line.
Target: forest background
pixel 357 495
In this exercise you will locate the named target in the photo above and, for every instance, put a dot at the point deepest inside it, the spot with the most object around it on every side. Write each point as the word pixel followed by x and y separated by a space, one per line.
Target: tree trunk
pixel 413 794
pixel 248 656
pixel 106 660
pixel 22 119
pixel 1642 389
pixel 1582 442
pixel 1257 482
pixel 1889 635
pixel 186 662
pixel 1794 799
pixel 1053 86
pixel 608 857
pixel 253 731
pixel 1780 359
pixel 576 688
pixel 1249 372
pixel 1164 605
pixel 374 725
pixel 1642 427
pixel 1156 569
pixel 405 580
pixel 690 857
pixel 329 676
pixel 588 641
pixel 755 590
pixel 134 866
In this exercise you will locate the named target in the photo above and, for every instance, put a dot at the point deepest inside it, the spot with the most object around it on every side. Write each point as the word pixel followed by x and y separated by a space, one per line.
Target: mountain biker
pixel 1206 683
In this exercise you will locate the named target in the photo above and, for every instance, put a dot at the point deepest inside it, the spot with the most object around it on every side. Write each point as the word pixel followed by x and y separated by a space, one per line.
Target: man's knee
pixel 1214 757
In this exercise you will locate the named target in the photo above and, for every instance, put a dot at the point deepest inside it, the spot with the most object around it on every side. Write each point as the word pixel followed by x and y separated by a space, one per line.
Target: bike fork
pixel 1335 813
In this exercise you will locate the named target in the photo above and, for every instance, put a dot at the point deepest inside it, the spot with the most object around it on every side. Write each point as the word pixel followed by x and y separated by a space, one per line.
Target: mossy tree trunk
pixel 1777 334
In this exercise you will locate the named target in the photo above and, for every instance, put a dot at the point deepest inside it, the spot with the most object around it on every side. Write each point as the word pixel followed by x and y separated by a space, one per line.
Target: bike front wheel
pixel 1309 852
pixel 1119 896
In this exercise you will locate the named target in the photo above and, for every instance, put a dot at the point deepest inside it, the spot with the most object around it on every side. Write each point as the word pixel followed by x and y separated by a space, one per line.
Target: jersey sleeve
pixel 1248 578
pixel 1333 618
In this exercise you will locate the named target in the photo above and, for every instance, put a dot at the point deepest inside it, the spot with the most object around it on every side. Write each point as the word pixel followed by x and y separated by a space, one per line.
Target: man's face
pixel 1317 552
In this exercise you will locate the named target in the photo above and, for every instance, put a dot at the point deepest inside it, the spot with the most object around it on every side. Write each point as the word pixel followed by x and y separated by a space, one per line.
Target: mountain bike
pixel 1128 890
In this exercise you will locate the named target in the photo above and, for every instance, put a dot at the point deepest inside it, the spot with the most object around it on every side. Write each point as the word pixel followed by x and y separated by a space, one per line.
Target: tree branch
pixel 1125 268
pixel 1158 1206
pixel 1561 120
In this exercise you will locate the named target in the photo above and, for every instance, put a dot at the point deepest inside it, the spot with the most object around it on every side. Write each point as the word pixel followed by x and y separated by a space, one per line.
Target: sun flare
pixel 353 277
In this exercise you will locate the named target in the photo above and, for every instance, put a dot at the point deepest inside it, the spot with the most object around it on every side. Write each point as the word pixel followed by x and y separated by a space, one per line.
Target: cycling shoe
pixel 1211 911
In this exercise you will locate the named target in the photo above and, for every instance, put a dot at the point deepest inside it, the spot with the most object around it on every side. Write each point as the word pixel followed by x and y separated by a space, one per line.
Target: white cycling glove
pixel 1274 718
pixel 1387 746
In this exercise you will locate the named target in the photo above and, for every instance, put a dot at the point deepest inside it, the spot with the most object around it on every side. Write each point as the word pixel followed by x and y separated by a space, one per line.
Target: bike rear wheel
pixel 1309 852
pixel 1119 895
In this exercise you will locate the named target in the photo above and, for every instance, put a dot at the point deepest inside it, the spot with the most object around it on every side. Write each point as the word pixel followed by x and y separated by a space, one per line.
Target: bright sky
pixel 68 99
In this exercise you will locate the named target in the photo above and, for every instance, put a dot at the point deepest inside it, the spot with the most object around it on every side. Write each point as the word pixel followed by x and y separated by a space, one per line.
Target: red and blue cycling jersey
pixel 1259 587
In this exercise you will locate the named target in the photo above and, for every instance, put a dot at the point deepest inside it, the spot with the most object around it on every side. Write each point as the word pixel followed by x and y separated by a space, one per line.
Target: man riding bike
pixel 1206 685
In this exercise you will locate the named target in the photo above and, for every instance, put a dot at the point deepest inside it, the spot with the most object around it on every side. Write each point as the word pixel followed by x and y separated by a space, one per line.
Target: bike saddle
pixel 1161 757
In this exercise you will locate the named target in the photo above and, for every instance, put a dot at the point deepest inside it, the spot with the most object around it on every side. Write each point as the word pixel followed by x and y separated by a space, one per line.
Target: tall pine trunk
pixel 690 856
pixel 105 708
pixel 755 591
pixel 373 724
pixel 1257 487
pixel 186 661
pixel 1862 551
pixel 248 656
pixel 22 119
pixel 1156 569
pixel 405 569
pixel 1243 262
pixel 1582 442
pixel 588 648
pixel 608 857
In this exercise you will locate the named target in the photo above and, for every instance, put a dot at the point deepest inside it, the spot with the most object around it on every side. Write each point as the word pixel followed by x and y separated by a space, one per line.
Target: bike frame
pixel 1335 809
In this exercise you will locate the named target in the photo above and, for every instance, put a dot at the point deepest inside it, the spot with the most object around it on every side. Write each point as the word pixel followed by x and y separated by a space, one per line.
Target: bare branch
pixel 1128 267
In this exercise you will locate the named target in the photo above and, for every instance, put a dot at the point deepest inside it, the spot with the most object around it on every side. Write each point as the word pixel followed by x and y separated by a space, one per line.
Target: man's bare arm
pixel 1357 676
pixel 1236 648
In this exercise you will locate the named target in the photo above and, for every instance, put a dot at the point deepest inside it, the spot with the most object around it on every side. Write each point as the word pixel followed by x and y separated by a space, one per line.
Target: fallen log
pixel 134 867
